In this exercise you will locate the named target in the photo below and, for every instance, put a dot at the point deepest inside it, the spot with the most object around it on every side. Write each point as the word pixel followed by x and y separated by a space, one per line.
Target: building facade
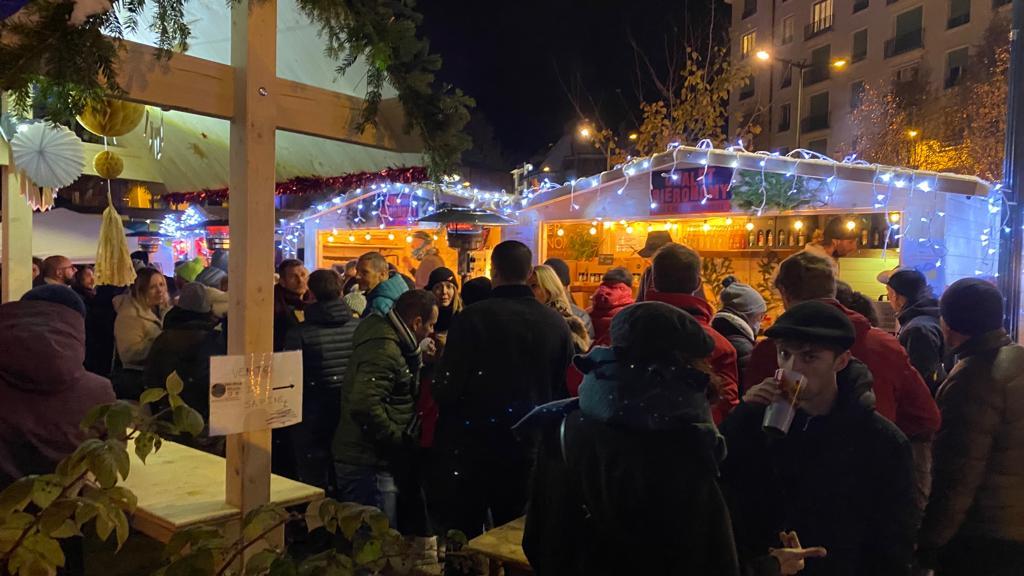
pixel 836 47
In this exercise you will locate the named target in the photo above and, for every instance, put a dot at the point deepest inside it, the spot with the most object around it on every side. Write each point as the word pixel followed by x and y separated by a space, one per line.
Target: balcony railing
pixel 904 43
pixel 817 28
pixel 817 74
pixel 860 5
pixel 957 21
pixel 814 123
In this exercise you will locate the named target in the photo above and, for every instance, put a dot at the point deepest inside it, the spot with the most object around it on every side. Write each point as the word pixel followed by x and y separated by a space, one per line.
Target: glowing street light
pixel 839 63
pixel 802 66
pixel 913 133
pixel 633 136
pixel 585 131
pixel 763 55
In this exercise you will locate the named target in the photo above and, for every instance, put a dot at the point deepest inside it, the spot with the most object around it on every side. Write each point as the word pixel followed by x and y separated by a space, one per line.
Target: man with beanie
pixel 43 382
pixel 190 336
pixel 326 341
pixel 974 522
pixel 918 314
pixel 504 356
pixel 562 271
pixel 832 473
pixel 476 290
pixel 614 294
pixel 838 240
pixel 676 278
pixel 901 395
pixel 739 320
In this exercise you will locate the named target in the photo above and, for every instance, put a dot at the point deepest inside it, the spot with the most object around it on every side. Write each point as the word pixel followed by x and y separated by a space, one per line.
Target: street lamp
pixel 586 133
pixel 802 66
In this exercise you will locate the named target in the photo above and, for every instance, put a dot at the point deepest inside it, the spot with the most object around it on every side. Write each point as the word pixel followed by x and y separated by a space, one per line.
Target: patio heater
pixel 466 229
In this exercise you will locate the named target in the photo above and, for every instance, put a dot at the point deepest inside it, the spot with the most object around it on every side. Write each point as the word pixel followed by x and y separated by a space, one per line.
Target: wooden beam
pixel 251 211
pixel 17 238
pixel 198 86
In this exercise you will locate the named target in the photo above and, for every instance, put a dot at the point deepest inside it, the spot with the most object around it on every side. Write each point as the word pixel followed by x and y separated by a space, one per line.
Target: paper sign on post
pixel 255 392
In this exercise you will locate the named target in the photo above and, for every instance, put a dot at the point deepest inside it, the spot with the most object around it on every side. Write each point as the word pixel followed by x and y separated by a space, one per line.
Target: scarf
pixel 407 344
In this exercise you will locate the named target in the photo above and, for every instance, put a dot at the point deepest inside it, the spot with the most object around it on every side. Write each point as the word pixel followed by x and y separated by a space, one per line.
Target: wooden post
pixel 17 238
pixel 251 215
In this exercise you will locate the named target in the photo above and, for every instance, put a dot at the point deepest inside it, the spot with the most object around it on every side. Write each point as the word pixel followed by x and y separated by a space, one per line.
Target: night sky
pixel 509 55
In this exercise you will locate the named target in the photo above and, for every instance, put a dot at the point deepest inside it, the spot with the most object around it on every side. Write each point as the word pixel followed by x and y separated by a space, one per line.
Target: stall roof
pixel 795 164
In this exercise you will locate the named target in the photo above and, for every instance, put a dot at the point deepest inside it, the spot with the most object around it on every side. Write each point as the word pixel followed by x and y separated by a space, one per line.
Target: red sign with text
pixel 689 190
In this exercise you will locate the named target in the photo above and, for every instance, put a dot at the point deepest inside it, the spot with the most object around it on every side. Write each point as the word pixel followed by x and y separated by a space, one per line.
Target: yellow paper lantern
pixel 108 165
pixel 112 118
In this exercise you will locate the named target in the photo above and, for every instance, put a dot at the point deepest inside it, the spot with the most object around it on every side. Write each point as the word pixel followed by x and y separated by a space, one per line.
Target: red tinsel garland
pixel 304 185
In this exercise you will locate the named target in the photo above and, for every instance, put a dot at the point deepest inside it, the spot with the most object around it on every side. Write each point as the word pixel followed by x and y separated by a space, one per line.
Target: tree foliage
pixel 58 68
pixel 696 110
pixel 959 129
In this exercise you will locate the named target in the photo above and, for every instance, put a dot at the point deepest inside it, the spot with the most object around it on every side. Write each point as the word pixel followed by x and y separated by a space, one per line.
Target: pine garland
pixel 751 191
pixel 56 69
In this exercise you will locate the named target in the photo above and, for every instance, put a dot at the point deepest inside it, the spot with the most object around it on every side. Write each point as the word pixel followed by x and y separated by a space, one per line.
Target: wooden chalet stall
pixel 711 200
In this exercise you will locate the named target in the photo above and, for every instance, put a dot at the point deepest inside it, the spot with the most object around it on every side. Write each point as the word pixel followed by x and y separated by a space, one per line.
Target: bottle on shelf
pixel 769 238
pixel 864 238
pixel 876 238
pixel 801 239
pixel 751 239
pixel 760 238
pixel 782 238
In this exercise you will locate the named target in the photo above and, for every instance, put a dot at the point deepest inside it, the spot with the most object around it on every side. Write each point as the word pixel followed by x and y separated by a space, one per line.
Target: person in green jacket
pixel 376 431
pixel 381 286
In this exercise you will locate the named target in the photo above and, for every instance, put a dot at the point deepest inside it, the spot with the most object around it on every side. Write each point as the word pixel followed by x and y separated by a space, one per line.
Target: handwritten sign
pixel 688 190
pixel 255 392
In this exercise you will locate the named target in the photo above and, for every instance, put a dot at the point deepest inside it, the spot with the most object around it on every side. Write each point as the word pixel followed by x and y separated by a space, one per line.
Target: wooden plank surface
pixel 504 544
pixel 179 487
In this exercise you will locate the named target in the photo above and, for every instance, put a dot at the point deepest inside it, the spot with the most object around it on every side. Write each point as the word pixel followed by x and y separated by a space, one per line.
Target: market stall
pixel 745 212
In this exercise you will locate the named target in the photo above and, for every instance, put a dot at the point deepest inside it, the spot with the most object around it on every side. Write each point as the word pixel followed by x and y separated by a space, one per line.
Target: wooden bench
pixel 503 548
pixel 180 487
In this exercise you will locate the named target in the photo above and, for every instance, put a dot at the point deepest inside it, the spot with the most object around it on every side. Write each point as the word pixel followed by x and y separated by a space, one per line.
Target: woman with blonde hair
pixel 548 289
pixel 140 316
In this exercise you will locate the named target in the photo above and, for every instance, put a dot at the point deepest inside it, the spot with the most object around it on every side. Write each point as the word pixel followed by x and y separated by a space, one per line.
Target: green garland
pixel 780 192
pixel 54 69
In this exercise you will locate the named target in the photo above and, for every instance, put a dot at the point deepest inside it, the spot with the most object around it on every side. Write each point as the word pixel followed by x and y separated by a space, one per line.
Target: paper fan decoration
pixel 113 262
pixel 51 156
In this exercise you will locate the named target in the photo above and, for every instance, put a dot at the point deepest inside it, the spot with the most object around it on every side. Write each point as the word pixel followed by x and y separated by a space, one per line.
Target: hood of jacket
pixel 612 295
pixel 332 313
pixel 43 344
pixel 179 319
pixel 388 290
pixel 729 324
pixel 695 306
pixel 927 307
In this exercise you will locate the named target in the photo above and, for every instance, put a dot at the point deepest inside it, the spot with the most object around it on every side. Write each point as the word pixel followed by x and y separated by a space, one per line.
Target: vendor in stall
pixel 425 258
pixel 837 241
pixel 655 240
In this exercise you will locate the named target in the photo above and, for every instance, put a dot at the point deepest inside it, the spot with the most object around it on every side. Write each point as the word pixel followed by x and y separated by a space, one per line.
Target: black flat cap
pixel 816 322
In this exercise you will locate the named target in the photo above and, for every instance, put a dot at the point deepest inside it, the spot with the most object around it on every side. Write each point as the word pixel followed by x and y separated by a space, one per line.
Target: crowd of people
pixel 656 434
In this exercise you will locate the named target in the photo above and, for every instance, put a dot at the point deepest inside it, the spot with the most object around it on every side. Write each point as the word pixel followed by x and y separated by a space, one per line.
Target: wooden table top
pixel 504 543
pixel 180 487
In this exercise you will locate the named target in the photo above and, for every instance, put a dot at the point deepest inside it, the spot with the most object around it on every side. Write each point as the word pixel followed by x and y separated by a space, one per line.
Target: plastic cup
pixel 778 417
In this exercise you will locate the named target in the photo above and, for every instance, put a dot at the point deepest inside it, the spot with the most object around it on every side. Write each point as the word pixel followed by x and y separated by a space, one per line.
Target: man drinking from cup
pixel 810 459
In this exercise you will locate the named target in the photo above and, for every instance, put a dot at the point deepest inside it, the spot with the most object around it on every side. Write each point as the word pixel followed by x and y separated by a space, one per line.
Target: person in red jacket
pixel 901 396
pixel 614 294
pixel 675 272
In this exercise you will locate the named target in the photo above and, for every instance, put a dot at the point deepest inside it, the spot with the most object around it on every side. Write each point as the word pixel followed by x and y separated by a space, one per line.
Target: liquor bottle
pixel 760 238
pixel 751 239
pixel 876 238
pixel 864 238
pixel 769 238
pixel 782 239
pixel 801 240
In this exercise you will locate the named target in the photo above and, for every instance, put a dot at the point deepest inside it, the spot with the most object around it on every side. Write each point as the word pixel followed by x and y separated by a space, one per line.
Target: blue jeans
pixel 370 487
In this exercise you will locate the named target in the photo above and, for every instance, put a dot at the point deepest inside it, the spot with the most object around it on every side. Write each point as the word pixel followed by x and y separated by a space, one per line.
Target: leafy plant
pixel 755 192
pixel 713 272
pixel 582 245
pixel 767 267
pixel 56 68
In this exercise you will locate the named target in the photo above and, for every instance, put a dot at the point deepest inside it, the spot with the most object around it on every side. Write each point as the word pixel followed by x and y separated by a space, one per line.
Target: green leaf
pixel 151 395
pixel 104 524
pixel 377 521
pixel 46 489
pixel 119 419
pixel 283 567
pixel 103 465
pixel 260 562
pixel 174 384
pixel 87 510
pixel 350 517
pixel 46 548
pixel 65 530
pixel 198 563
pixel 371 551
pixel 119 451
pixel 124 498
pixel 144 444
pixel 188 420
pixel 121 527
pixel 16 496
pixel 260 520
pixel 94 415
pixel 56 515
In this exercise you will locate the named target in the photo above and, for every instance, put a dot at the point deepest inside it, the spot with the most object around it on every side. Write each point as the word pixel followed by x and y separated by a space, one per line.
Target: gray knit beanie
pixel 741 298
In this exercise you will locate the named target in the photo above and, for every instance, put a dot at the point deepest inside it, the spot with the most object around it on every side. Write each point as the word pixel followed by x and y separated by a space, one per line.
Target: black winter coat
pixel 741 336
pixel 634 490
pixel 504 357
pixel 184 346
pixel 844 481
pixel 99 330
pixel 921 336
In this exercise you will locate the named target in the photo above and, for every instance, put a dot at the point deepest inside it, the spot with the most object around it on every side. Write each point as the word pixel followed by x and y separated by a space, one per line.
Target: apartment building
pixel 810 59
